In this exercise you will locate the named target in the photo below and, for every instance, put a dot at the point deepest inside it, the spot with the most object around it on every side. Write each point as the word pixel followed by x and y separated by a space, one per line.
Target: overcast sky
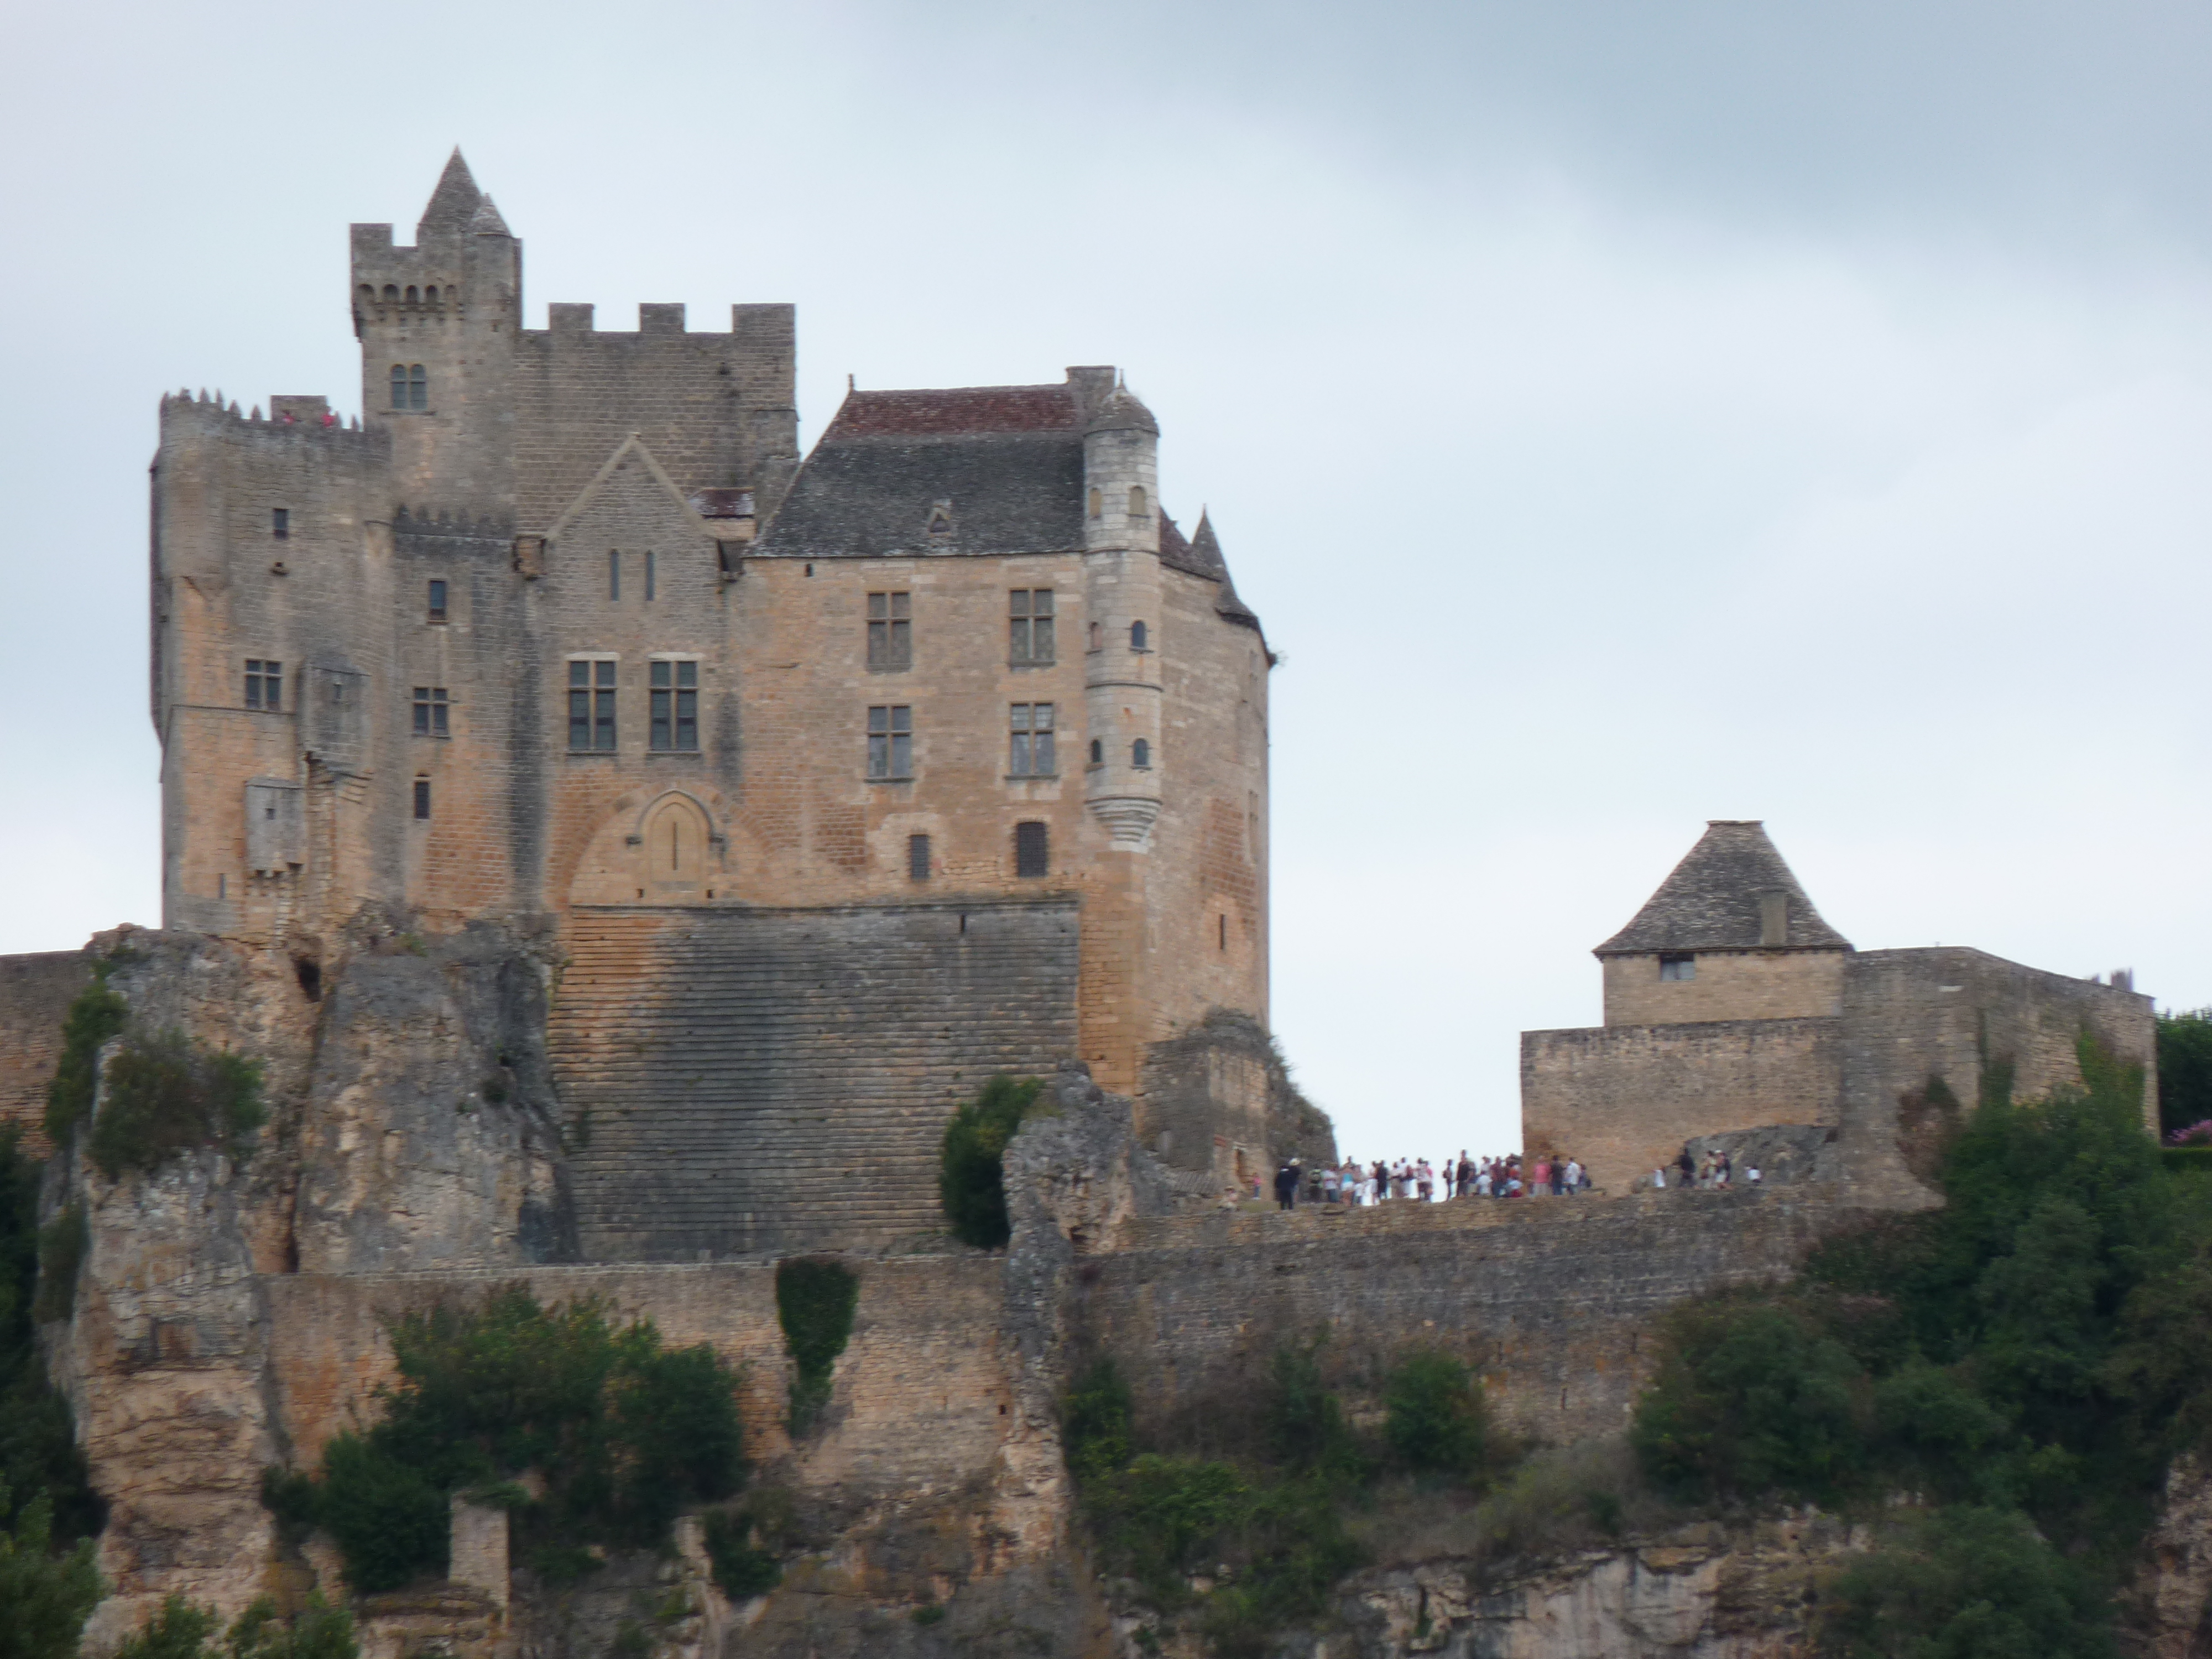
pixel 1621 415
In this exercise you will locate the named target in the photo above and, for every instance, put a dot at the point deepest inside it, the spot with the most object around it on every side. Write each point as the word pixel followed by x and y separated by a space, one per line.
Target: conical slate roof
pixel 1123 412
pixel 1712 900
pixel 453 204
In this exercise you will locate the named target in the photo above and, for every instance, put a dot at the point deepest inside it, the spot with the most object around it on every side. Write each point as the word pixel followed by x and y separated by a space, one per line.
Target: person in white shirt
pixel 1574 1176
pixel 1659 1179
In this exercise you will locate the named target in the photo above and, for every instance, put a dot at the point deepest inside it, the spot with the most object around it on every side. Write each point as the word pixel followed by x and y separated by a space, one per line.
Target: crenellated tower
pixel 439 325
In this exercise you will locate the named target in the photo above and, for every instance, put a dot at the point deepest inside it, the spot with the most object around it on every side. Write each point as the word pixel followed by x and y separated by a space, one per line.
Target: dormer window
pixel 940 518
pixel 1678 964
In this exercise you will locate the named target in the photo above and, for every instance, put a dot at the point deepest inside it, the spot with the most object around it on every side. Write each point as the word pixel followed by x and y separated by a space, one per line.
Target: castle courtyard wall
pixel 1625 1099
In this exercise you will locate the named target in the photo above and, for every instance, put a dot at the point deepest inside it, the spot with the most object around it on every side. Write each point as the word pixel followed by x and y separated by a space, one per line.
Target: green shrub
pixel 742 1568
pixel 623 1432
pixel 45 1598
pixel 2184 1069
pixel 63 1244
pixel 1750 1397
pixel 1155 1519
pixel 1094 1423
pixel 1435 1422
pixel 165 1095
pixel 97 1014
pixel 2185 1160
pixel 180 1630
pixel 1306 1428
pixel 971 1178
pixel 814 1304
pixel 1964 1584
pixel 390 1520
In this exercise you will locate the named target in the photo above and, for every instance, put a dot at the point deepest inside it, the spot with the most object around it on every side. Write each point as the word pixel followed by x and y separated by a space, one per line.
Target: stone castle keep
pixel 622 843
pixel 843 784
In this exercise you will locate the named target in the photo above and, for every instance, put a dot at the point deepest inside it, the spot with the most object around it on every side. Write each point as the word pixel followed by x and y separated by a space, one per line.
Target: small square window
pixel 1678 965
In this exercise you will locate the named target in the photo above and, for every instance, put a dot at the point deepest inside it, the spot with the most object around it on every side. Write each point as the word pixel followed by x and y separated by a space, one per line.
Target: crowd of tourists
pixel 1416 1180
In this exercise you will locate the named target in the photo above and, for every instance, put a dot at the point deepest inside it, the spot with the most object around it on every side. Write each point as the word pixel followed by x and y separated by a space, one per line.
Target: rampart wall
pixel 35 992
pixel 1624 1098
pixel 922 1397
pixel 1551 1300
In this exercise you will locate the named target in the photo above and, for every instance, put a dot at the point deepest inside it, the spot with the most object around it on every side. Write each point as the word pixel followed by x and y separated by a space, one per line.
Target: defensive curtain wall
pixel 1624 1098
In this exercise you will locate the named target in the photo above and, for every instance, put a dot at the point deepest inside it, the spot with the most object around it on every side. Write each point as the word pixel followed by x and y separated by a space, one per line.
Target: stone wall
pixel 1950 1011
pixel 1730 985
pixel 1624 1098
pixel 35 992
pixel 741 1082
pixel 1551 1300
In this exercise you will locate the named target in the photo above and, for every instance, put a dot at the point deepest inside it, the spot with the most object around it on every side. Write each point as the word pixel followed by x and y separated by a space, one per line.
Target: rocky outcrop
pixel 2171 1602
pixel 408 1125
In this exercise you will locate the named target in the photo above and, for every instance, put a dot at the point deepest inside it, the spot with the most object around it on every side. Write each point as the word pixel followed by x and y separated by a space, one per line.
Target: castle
pixel 843 783
pixel 620 844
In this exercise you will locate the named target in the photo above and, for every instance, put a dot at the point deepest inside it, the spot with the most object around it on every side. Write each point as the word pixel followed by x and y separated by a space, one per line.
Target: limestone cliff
pixel 409 1126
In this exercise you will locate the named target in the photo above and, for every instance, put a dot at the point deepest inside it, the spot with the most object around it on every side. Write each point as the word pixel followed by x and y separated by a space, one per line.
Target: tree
pixel 44 1598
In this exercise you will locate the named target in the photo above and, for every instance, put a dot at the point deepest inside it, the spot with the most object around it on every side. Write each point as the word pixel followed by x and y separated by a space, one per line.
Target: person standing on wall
pixel 1286 1186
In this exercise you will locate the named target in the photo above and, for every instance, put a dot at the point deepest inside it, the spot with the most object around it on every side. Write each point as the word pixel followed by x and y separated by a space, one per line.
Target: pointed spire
pixel 487 222
pixel 453 204
pixel 1203 542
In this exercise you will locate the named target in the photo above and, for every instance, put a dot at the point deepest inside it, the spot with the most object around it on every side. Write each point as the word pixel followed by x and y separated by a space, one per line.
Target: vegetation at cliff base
pixel 815 1300
pixel 620 1431
pixel 2185 1070
pixel 38 1450
pixel 971 1177
pixel 46 1596
pixel 183 1629
pixel 2021 1363
pixel 1256 1540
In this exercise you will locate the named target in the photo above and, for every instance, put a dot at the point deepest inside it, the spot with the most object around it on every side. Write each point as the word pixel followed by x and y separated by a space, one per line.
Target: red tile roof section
pixel 965 411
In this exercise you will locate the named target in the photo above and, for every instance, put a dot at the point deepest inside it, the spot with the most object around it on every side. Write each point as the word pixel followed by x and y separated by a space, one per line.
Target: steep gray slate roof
pixel 1008 459
pixel 1710 902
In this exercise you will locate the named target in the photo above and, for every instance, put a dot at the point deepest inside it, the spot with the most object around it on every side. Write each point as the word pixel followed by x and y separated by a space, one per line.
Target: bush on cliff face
pixel 814 1304
pixel 167 1094
pixel 1275 1521
pixel 1435 1422
pixel 97 1014
pixel 971 1177
pixel 1964 1584
pixel 183 1629
pixel 623 1432
pixel 2184 1069
pixel 2025 1359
